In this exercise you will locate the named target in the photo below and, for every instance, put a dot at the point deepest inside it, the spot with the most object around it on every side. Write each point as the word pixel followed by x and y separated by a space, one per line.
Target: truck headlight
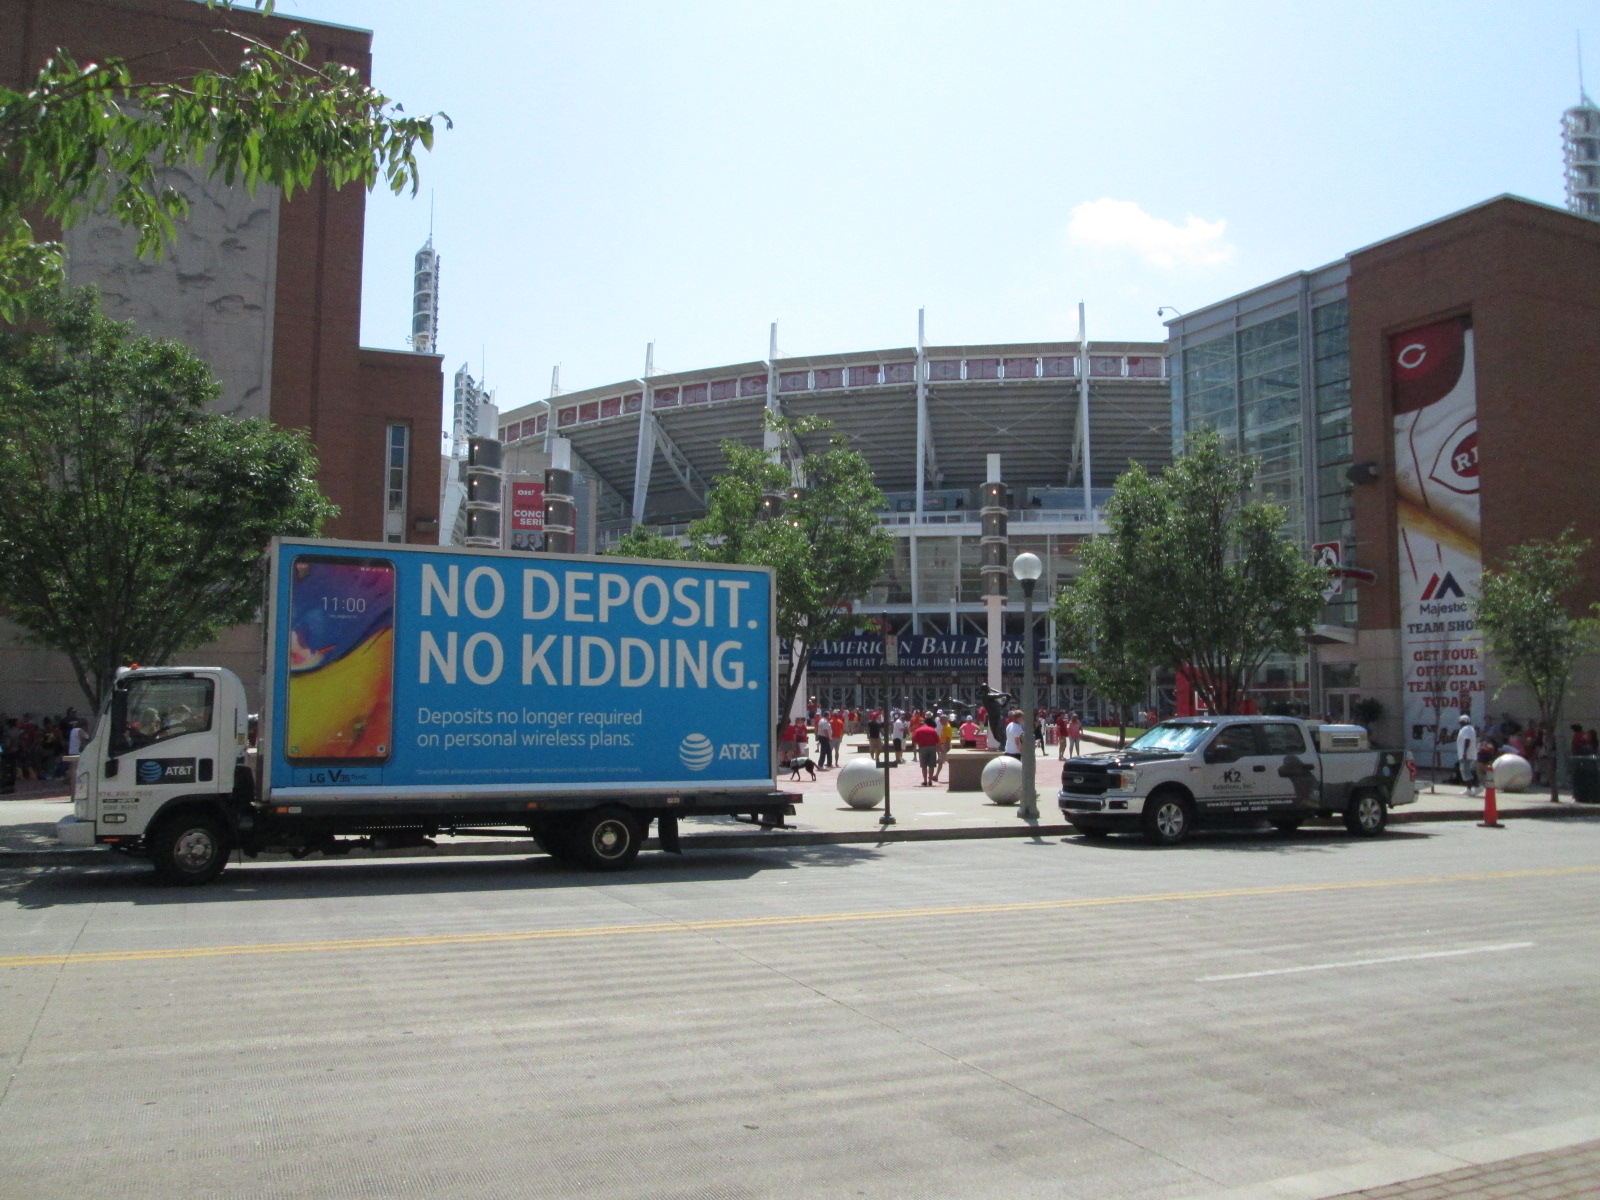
pixel 1129 780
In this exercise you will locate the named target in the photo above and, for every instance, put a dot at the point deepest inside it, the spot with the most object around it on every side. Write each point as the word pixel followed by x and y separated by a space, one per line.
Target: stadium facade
pixel 645 450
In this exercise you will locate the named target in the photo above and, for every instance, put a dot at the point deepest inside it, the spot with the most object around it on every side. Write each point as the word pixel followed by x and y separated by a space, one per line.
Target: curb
pixel 770 840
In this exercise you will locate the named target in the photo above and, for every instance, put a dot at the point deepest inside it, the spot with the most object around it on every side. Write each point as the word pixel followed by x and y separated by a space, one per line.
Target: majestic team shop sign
pixel 1436 469
pixel 920 653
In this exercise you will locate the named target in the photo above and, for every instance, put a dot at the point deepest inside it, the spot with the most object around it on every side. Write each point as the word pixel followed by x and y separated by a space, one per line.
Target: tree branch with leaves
pixel 1194 575
pixel 822 538
pixel 132 518
pixel 1527 625
pixel 92 137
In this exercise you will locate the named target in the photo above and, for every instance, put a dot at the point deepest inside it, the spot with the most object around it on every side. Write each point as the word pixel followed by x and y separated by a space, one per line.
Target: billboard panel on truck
pixel 397 670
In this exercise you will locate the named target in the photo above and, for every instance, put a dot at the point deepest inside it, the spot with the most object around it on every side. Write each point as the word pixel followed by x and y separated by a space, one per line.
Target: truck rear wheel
pixel 606 839
pixel 1167 818
pixel 189 848
pixel 1366 814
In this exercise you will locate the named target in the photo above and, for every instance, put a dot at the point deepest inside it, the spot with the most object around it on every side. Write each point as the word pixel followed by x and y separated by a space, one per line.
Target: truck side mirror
pixel 110 768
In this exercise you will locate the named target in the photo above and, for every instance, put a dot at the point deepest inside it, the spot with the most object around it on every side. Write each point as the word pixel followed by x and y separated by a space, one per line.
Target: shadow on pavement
pixel 1257 841
pixel 133 881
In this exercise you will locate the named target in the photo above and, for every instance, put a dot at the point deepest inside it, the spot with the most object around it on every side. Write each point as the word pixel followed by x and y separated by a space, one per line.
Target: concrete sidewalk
pixel 27 820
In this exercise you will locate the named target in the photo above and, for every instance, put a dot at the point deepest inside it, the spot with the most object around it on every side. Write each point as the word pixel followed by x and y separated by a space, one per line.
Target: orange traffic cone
pixel 1491 813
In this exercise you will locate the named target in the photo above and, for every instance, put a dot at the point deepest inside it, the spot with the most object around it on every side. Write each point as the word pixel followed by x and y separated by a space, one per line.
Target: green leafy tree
pixel 94 136
pixel 812 518
pixel 1192 574
pixel 1111 664
pixel 1527 625
pixel 132 519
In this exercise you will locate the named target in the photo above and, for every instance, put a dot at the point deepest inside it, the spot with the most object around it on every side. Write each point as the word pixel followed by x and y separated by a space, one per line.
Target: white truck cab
pixel 1193 772
pixel 166 770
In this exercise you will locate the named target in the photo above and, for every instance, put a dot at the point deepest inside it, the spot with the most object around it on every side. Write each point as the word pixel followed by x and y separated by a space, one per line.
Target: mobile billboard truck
pixel 412 692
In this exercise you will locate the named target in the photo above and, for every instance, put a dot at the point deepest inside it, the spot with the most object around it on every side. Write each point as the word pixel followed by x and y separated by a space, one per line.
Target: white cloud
pixel 1122 223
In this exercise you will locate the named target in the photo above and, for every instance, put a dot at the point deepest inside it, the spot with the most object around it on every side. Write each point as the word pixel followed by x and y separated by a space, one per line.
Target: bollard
pixel 1491 813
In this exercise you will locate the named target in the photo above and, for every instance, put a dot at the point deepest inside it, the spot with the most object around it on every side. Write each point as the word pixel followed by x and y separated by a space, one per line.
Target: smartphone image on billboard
pixel 341 660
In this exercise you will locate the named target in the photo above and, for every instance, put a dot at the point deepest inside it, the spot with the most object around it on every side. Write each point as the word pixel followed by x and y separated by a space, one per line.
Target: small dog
pixel 795 765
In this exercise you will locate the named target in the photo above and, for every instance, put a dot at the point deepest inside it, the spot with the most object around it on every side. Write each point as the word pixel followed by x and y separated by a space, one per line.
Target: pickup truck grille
pixel 1085 779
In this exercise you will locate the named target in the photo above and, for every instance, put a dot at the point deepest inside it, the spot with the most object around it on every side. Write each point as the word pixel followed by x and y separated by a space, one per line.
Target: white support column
pixel 922 415
pixel 1083 413
pixel 771 442
pixel 550 408
pixel 922 474
pixel 645 454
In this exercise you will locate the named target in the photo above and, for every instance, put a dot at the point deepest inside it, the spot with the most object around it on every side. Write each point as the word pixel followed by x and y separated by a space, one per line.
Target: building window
pixel 396 482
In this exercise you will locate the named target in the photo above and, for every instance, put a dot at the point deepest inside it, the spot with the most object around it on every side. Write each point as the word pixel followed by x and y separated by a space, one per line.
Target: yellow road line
pixel 836 918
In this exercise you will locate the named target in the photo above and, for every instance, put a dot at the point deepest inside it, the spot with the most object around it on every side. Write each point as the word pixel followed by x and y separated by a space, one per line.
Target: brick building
pixel 267 289
pixel 1422 404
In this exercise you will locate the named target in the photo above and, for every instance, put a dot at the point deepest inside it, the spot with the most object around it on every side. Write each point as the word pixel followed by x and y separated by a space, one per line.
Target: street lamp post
pixel 1027 568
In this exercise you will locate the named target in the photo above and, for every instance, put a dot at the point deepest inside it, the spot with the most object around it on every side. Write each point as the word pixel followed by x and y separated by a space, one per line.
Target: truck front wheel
pixel 1366 814
pixel 1167 818
pixel 189 848
pixel 606 839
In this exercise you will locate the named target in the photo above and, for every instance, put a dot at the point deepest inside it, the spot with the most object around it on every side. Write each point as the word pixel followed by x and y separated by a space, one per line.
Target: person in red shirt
pixel 925 737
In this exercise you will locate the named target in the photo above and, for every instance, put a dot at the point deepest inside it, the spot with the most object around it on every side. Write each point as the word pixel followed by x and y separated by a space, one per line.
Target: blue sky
pixel 689 172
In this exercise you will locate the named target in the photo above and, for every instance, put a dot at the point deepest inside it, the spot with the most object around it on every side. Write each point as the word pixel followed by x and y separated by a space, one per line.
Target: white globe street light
pixel 1027 568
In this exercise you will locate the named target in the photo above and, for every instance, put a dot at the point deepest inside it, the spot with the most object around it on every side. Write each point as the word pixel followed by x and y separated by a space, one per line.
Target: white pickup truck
pixel 1195 772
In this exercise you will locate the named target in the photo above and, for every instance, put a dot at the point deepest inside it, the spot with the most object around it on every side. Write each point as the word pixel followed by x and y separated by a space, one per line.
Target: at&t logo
pixel 696 752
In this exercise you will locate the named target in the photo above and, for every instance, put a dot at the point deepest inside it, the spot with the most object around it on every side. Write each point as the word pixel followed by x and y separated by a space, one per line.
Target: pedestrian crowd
pixel 927 736
pixel 1476 752
pixel 38 747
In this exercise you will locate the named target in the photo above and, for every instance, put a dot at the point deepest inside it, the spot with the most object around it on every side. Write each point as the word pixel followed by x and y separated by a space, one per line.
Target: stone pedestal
pixel 966 769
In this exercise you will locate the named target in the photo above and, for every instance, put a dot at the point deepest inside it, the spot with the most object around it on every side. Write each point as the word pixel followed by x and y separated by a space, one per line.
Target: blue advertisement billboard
pixel 401 670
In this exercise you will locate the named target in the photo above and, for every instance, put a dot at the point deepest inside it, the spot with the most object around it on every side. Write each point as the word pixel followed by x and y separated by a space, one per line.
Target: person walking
pixel 875 737
pixel 824 732
pixel 1014 734
pixel 1074 733
pixel 898 742
pixel 947 737
pixel 925 737
pixel 1467 753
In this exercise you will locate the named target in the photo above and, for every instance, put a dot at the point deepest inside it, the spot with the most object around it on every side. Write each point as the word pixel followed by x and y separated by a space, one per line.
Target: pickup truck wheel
pixel 189 848
pixel 1366 814
pixel 1093 833
pixel 1167 818
pixel 607 839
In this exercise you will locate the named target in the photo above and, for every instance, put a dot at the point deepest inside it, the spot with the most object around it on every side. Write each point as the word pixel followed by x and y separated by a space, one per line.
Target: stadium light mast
pixel 645 453
pixel 1083 411
pixel 922 415
pixel 771 440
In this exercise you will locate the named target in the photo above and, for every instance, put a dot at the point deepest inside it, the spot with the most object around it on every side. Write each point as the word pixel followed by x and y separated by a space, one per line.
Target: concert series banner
pixel 1431 370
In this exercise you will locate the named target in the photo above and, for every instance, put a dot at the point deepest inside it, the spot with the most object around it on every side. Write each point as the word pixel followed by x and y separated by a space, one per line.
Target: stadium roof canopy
pixel 1019 400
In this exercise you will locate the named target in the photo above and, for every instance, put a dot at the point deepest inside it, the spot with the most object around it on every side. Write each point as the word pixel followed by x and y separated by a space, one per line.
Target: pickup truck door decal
pixel 1231 781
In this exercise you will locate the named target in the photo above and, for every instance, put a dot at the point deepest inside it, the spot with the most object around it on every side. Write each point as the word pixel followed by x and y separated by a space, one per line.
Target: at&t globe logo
pixel 149 771
pixel 696 751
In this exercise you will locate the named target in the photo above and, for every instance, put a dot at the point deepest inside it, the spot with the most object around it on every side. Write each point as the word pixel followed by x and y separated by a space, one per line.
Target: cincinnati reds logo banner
pixel 1436 477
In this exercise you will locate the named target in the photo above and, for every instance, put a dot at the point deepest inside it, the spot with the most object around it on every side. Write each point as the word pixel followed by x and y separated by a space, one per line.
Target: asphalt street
pixel 1248 1015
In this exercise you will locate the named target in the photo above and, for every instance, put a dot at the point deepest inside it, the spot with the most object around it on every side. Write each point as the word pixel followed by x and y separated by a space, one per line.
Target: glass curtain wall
pixel 1335 515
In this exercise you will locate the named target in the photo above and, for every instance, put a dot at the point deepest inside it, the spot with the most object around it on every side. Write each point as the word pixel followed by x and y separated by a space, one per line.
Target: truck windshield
pixel 1178 739
pixel 155 709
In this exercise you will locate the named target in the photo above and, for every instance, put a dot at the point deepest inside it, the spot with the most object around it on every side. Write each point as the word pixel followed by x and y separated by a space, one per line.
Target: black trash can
pixel 1586 778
